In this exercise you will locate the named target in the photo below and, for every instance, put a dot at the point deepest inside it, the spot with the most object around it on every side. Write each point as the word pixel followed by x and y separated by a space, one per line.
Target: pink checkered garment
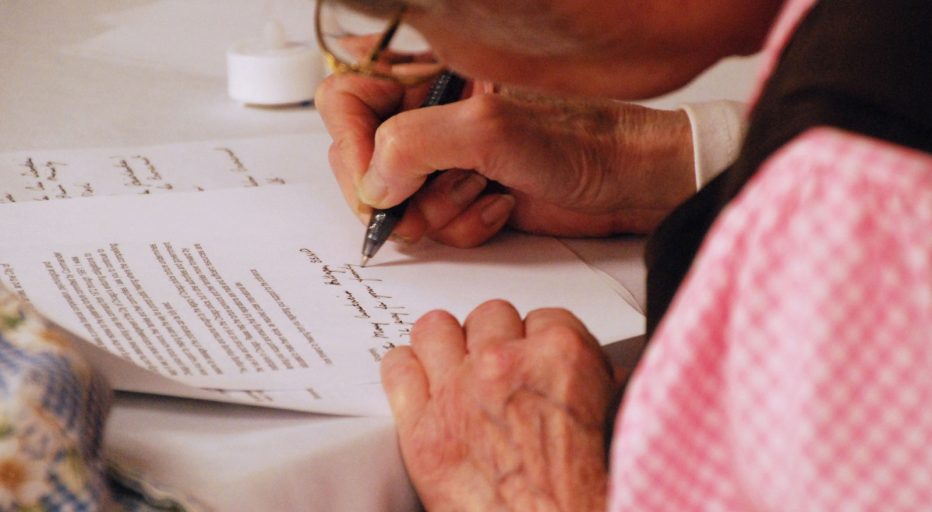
pixel 793 371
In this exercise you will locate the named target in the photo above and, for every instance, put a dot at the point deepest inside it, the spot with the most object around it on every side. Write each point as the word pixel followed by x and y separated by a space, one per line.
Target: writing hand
pixel 573 167
pixel 502 413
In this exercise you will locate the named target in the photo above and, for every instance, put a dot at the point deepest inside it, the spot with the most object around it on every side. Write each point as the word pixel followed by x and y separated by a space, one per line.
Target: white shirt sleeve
pixel 718 129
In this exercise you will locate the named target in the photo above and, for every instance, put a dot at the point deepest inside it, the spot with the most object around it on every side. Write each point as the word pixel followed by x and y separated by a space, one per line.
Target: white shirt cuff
pixel 718 128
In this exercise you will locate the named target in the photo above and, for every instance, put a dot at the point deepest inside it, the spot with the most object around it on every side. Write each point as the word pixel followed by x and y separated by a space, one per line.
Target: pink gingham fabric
pixel 793 371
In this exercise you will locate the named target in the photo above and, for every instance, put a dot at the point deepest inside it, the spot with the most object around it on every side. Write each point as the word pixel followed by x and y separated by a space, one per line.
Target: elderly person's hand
pixel 502 413
pixel 562 167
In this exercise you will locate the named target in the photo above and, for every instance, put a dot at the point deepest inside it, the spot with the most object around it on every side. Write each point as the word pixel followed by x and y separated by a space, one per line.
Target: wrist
pixel 663 144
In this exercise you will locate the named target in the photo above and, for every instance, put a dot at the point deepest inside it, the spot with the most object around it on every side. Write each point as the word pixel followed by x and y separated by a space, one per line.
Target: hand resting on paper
pixel 502 413
pixel 567 167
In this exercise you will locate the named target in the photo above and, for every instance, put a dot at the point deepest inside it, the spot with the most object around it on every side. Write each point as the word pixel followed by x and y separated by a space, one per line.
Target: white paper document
pixel 254 294
pixel 210 165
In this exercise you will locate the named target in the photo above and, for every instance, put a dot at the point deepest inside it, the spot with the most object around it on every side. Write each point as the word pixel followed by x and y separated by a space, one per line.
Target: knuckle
pixel 493 355
pixel 494 127
pixel 493 306
pixel 554 316
pixel 395 358
pixel 397 367
pixel 323 91
pixel 497 362
pixel 489 308
pixel 488 111
pixel 563 338
pixel 335 156
pixel 330 88
pixel 390 145
pixel 480 108
pixel 434 316
pixel 573 351
pixel 423 326
pixel 551 312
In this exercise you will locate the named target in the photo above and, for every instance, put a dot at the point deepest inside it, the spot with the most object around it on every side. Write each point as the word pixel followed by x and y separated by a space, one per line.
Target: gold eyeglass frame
pixel 367 66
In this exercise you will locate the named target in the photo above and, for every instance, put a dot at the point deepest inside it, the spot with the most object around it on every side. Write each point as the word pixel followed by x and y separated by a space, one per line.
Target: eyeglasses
pixel 361 44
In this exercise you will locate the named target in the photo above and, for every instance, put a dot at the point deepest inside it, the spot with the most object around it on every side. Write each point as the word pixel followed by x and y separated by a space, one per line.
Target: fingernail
pixel 403 240
pixel 372 188
pixel 467 188
pixel 497 211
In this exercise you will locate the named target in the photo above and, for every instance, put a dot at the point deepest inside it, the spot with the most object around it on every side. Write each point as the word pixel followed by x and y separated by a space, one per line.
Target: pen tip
pixel 365 260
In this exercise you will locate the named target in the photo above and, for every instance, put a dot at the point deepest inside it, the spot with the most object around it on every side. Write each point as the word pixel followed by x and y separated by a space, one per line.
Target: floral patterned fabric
pixel 52 412
pixel 52 409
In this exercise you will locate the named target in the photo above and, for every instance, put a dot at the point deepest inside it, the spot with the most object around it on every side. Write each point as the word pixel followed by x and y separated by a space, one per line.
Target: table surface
pixel 86 74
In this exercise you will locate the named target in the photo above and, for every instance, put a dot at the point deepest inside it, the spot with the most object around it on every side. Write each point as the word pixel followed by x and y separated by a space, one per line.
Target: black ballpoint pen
pixel 447 88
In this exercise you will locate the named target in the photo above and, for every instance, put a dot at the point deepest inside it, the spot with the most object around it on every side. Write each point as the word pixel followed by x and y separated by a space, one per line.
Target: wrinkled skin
pixel 580 167
pixel 502 413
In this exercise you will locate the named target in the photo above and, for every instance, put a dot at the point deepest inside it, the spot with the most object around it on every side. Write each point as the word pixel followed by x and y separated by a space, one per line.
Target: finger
pixel 544 319
pixel 562 334
pixel 405 385
pixel 441 200
pixel 437 202
pixel 361 95
pixel 411 227
pixel 495 321
pixel 346 175
pixel 440 345
pixel 413 144
pixel 488 133
pixel 352 108
pixel 561 325
pixel 481 221
pixel 578 373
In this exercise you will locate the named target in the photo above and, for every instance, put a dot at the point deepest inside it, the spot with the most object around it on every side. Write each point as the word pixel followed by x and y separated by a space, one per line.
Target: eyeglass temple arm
pixel 386 38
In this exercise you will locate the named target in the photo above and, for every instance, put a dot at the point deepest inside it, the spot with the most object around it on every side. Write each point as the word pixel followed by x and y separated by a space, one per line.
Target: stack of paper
pixel 232 290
